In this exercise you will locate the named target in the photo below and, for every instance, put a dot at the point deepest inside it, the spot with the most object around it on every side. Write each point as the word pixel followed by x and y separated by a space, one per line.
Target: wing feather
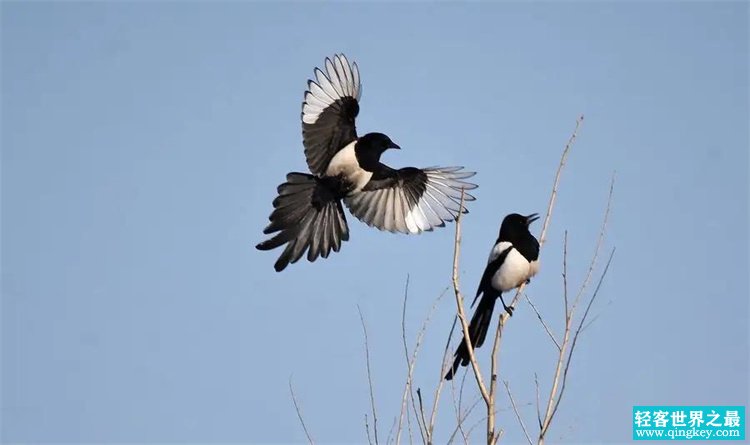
pixel 329 110
pixel 411 200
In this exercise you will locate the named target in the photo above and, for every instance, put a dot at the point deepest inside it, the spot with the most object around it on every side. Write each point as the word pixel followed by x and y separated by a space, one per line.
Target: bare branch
pixel 299 412
pixel 579 329
pixel 476 424
pixel 460 304
pixel 553 196
pixel 421 412
pixel 565 275
pixel 515 410
pixel 441 380
pixel 539 316
pixel 458 403
pixel 408 390
pixel 599 242
pixel 595 317
pixel 556 379
pixel 561 351
pixel 538 413
pixel 461 389
pixel 462 419
pixel 499 435
pixel 491 438
pixel 367 428
pixel 369 376
pixel 390 431
pixel 566 354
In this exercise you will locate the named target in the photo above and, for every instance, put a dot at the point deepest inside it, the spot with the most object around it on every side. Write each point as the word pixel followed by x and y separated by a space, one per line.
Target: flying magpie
pixel 308 215
pixel 513 261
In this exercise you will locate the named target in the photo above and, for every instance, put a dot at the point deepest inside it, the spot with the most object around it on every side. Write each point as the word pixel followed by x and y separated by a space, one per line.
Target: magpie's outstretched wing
pixel 411 200
pixel 328 112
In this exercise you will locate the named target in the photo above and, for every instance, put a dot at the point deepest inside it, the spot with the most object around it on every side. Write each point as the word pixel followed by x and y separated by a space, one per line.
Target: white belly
pixel 533 268
pixel 514 270
pixel 345 163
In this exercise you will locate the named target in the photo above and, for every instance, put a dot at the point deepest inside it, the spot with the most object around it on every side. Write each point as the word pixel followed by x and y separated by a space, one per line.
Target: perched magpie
pixel 513 261
pixel 308 215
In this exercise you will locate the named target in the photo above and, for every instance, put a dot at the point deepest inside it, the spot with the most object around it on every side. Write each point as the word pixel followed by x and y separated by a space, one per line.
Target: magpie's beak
pixel 394 145
pixel 531 218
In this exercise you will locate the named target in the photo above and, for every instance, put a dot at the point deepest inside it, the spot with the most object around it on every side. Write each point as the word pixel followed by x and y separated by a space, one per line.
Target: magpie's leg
pixel 507 308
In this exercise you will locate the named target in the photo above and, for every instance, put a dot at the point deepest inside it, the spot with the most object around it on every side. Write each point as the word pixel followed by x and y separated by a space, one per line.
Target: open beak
pixel 531 218
pixel 394 145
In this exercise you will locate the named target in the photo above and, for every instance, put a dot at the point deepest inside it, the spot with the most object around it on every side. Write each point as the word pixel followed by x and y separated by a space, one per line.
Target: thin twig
pixel 553 196
pixel 460 305
pixel 538 413
pixel 441 381
pixel 411 364
pixel 579 329
pixel 457 409
pixel 499 435
pixel 471 428
pixel 421 412
pixel 461 389
pixel 390 431
pixel 515 410
pixel 599 241
pixel 457 404
pixel 299 412
pixel 565 274
pixel 556 379
pixel 462 419
pixel 407 388
pixel 491 438
pixel 539 316
pixel 595 317
pixel 369 376
pixel 367 428
pixel 565 356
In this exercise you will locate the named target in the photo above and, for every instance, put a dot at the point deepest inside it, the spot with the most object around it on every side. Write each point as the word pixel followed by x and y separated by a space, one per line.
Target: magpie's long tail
pixel 480 324
pixel 308 216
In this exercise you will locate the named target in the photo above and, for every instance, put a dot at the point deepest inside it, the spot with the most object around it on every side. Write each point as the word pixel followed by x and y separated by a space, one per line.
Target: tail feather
pixel 316 237
pixel 341 222
pixel 478 328
pixel 282 217
pixel 308 216
pixel 328 226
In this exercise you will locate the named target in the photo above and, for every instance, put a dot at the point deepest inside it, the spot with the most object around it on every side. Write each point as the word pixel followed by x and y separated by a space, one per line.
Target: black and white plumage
pixel 308 214
pixel 513 260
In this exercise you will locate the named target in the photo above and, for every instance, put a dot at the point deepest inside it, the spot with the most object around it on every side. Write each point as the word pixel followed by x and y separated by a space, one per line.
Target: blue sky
pixel 142 144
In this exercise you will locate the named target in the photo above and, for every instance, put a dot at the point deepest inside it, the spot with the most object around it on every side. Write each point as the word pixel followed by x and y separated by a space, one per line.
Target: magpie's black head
pixel 515 225
pixel 377 142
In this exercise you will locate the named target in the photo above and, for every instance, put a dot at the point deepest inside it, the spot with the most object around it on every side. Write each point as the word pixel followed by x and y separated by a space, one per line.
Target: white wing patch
pixel 389 209
pixel 441 199
pixel 498 249
pixel 340 80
